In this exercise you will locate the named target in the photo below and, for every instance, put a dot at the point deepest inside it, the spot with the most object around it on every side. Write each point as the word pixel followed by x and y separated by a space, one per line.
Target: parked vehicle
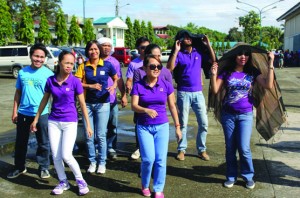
pixel 122 54
pixel 134 54
pixel 52 57
pixel 165 56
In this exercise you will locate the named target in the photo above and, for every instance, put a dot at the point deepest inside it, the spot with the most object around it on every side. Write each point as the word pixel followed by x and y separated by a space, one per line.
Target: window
pixel 23 51
pixel 6 52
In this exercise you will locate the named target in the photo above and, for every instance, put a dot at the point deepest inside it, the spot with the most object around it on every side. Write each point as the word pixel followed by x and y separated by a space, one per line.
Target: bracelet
pixel 177 125
pixel 271 67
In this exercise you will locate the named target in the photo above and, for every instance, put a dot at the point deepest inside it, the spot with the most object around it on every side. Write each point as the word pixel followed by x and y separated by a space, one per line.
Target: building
pixel 111 27
pixel 161 32
pixel 291 28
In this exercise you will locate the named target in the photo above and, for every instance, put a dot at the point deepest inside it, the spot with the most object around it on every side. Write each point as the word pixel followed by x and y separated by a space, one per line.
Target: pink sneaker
pixel 146 192
pixel 159 195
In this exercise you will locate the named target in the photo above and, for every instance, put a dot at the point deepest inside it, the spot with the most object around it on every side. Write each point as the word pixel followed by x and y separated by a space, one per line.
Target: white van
pixel 15 57
pixel 165 56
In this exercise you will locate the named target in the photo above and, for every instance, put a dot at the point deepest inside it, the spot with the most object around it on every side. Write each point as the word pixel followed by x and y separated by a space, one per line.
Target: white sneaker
pixel 136 154
pixel 92 168
pixel 101 169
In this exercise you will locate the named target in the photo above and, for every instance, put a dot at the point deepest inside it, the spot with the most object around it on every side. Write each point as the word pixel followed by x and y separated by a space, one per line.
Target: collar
pixel 100 63
pixel 69 79
pixel 187 52
pixel 147 85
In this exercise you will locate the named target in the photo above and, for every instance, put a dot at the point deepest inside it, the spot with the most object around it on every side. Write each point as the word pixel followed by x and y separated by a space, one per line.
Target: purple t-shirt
pixel 238 97
pixel 153 98
pixel 116 64
pixel 64 98
pixel 189 75
pixel 140 73
pixel 133 65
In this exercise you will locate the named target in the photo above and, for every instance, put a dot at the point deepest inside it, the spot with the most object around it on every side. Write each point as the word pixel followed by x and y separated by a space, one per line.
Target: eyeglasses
pixel 143 47
pixel 244 53
pixel 153 67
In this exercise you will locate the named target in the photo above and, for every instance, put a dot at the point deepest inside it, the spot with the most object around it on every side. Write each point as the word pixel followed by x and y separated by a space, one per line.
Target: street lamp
pixel 260 11
pixel 118 7
pixel 83 11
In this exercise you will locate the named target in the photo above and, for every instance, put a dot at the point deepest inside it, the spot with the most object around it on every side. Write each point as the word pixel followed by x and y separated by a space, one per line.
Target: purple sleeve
pixel 129 73
pixel 222 75
pixel 48 85
pixel 78 86
pixel 112 70
pixel 134 90
pixel 170 88
pixel 168 76
pixel 136 76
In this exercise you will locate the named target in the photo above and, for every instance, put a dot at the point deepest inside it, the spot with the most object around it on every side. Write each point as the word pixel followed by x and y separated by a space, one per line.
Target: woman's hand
pixel 205 40
pixel 177 46
pixel 111 90
pixel 214 69
pixel 95 86
pixel 271 56
pixel 89 132
pixel 152 113
pixel 178 134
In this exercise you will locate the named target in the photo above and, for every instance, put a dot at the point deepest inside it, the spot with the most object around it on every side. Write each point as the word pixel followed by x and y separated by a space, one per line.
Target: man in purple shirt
pixel 106 49
pixel 188 61
pixel 141 44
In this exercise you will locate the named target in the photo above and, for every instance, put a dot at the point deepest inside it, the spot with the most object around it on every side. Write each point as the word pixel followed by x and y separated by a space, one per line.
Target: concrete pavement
pixel 277 167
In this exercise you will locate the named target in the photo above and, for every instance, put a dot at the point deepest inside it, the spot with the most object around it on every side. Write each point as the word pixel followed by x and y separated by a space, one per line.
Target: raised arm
pixel 216 83
pixel 172 59
pixel 267 82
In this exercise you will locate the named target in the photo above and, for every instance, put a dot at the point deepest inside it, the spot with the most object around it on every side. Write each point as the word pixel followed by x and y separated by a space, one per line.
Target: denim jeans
pixel 237 131
pixel 153 141
pixel 112 128
pixel 196 100
pixel 43 149
pixel 98 116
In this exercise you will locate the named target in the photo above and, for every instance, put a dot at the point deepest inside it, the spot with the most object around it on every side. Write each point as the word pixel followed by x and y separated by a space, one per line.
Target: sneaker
pixel 250 184
pixel 16 173
pixel 204 156
pixel 112 155
pixel 45 174
pixel 146 192
pixel 59 189
pixel 92 168
pixel 136 154
pixel 82 186
pixel 180 156
pixel 101 169
pixel 159 195
pixel 229 184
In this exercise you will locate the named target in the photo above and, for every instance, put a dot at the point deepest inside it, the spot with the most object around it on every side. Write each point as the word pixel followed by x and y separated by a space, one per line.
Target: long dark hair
pixel 147 59
pixel 88 46
pixel 151 47
pixel 61 57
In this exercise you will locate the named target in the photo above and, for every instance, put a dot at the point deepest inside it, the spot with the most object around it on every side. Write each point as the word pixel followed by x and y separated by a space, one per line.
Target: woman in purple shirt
pixel 149 98
pixel 238 79
pixel 62 123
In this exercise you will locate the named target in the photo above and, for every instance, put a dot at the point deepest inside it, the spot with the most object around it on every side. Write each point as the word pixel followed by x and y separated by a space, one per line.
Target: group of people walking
pixel 150 85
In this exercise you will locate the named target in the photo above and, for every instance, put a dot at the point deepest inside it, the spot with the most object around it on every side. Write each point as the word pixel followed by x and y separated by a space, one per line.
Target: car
pixel 134 54
pixel 165 56
pixel 52 57
pixel 122 54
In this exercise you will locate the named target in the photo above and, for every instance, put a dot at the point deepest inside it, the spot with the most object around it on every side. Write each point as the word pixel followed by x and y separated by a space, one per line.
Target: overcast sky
pixel 220 15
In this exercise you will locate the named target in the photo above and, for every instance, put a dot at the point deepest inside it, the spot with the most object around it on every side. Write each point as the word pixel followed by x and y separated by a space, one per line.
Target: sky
pixel 220 15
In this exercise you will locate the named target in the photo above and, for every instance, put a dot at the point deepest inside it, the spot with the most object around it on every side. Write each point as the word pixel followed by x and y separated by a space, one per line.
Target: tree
pixel 6 30
pixel 88 31
pixel 234 35
pixel 75 36
pixel 137 29
pixel 15 10
pixel 273 37
pixel 129 34
pixel 227 45
pixel 251 24
pixel 61 30
pixel 151 35
pixel 49 7
pixel 44 34
pixel 144 31
pixel 25 27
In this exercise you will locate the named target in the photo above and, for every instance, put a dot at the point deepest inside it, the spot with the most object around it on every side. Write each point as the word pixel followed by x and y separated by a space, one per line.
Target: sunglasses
pixel 143 47
pixel 244 53
pixel 153 67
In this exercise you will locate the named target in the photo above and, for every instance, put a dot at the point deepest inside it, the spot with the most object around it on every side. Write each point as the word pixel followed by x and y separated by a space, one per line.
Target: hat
pixel 103 40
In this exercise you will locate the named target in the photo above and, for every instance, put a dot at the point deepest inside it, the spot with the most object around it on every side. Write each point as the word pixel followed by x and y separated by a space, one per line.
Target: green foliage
pixel 88 31
pixel 6 30
pixel 75 36
pixel 151 35
pixel 227 45
pixel 61 28
pixel 144 31
pixel 234 35
pixel 251 25
pixel 44 34
pixel 25 27
pixel 273 37
pixel 129 34
pixel 137 29
pixel 49 7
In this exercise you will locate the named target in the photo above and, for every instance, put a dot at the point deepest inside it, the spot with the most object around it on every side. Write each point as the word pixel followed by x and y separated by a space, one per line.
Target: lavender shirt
pixel 133 65
pixel 189 64
pixel 164 73
pixel 153 98
pixel 64 98
pixel 116 64
pixel 238 97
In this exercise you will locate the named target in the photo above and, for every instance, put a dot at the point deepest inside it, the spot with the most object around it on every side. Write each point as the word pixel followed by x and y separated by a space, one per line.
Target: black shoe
pixel 16 173
pixel 112 155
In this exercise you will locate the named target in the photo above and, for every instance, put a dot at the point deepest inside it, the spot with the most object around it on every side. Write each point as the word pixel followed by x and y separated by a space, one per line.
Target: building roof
pixel 291 12
pixel 104 20
pixel 163 36
pixel 160 28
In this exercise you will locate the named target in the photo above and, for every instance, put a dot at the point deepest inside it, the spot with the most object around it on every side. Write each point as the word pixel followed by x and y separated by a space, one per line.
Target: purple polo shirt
pixel 64 98
pixel 189 71
pixel 153 98
pixel 133 65
pixel 164 74
pixel 116 64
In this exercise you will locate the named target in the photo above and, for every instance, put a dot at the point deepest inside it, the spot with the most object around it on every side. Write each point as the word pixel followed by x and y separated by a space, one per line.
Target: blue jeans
pixel 237 131
pixel 98 116
pixel 112 128
pixel 153 141
pixel 43 149
pixel 196 100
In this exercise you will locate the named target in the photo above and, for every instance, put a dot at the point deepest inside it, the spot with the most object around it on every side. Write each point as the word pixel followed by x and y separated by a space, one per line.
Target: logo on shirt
pixel 161 89
pixel 196 57
pixel 102 72
pixel 67 89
